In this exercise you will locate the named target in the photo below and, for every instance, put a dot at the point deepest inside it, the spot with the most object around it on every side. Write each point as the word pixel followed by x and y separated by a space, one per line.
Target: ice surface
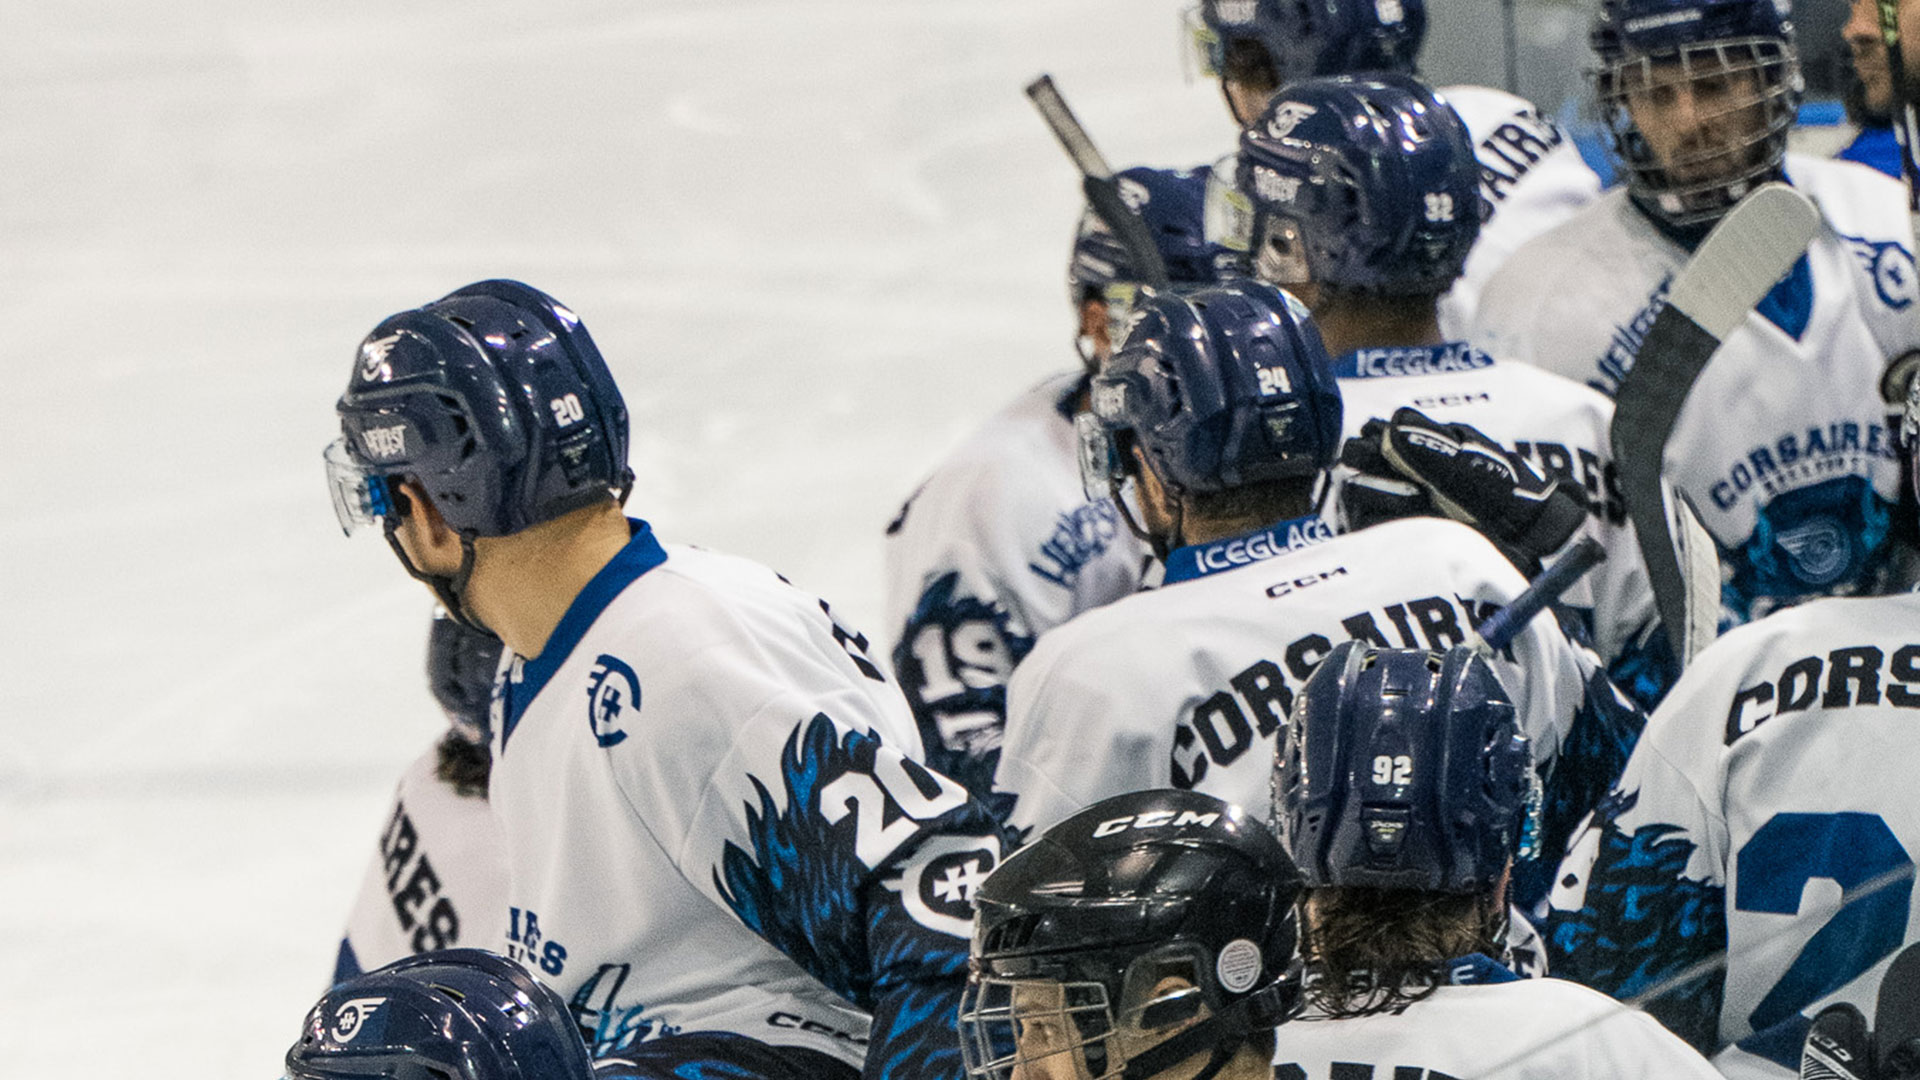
pixel 818 241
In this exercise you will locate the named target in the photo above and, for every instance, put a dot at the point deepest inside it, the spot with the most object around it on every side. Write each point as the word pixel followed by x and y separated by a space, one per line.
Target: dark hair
pixel 1265 502
pixel 1378 950
pixel 464 765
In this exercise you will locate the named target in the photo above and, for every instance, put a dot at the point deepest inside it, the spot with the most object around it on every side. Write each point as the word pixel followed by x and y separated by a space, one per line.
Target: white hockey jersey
pixel 1558 425
pixel 1487 1024
pixel 1774 779
pixel 710 825
pixel 1188 685
pixel 1784 445
pixel 998 546
pixel 1532 178
pixel 438 880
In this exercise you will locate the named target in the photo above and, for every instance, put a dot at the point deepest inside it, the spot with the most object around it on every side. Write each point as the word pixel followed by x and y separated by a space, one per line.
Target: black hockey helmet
pixel 1146 912
pixel 456 1014
pixel 461 664
pixel 1404 769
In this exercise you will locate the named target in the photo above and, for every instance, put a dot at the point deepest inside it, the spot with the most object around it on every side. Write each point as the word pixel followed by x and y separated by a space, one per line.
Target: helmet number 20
pixel 567 410
pixel 1393 769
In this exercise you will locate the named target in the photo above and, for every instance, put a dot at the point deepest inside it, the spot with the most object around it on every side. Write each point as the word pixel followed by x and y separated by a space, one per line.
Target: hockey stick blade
pixel 1097 182
pixel 1896 1018
pixel 1751 249
pixel 1500 628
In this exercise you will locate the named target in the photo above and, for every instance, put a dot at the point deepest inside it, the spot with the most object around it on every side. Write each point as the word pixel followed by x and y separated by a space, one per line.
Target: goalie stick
pixel 1750 250
pixel 1097 182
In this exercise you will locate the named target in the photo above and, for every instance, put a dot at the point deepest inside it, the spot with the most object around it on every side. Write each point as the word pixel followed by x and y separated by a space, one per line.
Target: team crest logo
pixel 353 1016
pixel 1818 549
pixel 1287 117
pixel 612 690
pixel 937 889
pixel 373 357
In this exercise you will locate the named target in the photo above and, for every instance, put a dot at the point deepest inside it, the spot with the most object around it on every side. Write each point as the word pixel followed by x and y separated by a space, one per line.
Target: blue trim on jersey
pixel 1789 304
pixel 1410 360
pixel 642 553
pixel 1199 560
pixel 1477 969
pixel 1876 148
pixel 1827 113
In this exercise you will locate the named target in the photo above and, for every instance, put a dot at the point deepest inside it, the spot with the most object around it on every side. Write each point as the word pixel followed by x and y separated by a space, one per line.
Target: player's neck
pixel 1349 322
pixel 523 584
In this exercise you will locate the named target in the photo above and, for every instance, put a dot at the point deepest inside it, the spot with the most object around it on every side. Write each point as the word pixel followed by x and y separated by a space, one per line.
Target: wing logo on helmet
pixel 373 357
pixel 352 1017
pixel 384 443
pixel 1287 116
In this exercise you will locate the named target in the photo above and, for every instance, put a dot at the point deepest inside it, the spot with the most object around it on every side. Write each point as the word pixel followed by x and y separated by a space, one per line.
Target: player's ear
pixel 429 529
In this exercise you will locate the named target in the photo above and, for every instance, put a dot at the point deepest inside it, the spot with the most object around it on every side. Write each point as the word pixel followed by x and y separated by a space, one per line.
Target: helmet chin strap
pixel 448 587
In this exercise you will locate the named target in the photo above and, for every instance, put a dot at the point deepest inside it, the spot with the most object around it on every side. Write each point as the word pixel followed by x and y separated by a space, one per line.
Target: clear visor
pixel 1201 53
pixel 359 498
pixel 1100 465
pixel 1227 211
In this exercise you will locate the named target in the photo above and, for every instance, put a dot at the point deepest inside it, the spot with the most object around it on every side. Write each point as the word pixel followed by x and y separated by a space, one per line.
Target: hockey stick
pixel 1752 248
pixel 1096 180
pixel 1896 1018
pixel 1500 628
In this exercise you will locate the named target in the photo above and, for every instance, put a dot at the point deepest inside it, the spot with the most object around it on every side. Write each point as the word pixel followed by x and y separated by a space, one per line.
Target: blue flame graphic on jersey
pixel 1891 267
pixel 1594 752
pixel 610 1028
pixel 953 661
pixel 1818 541
pixel 1644 920
pixel 612 689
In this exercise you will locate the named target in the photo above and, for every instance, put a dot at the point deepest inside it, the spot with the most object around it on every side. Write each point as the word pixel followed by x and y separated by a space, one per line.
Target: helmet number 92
pixel 1393 769
pixel 1439 206
pixel 567 410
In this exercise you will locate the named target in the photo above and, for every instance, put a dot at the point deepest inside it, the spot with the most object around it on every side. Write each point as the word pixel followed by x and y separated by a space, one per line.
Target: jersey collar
pixel 1477 969
pixel 642 553
pixel 1199 560
pixel 1410 360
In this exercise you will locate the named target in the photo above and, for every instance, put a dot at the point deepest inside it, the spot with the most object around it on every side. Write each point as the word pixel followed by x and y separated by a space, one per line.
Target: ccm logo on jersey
pixel 800 1023
pixel 1156 819
pixel 385 443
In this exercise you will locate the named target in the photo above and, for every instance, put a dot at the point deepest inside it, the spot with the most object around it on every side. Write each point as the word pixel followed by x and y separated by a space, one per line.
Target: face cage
pixel 361 499
pixel 1044 1029
pixel 1736 164
pixel 1104 473
pixel 1910 431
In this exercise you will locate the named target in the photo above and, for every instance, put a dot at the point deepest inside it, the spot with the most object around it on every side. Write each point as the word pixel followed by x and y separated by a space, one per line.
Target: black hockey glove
pixel 1474 480
pixel 1838 1046
pixel 1372 490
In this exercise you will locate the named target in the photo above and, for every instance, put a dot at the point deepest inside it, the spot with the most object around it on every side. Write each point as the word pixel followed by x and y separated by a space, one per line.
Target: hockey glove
pixel 1474 480
pixel 1372 491
pixel 1838 1046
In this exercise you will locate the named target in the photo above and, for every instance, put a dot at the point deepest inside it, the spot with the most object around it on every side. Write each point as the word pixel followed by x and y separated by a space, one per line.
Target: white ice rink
pixel 817 241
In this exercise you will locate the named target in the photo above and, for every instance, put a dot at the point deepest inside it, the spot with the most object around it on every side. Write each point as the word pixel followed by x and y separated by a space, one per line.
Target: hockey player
pixel 1870 97
pixel 459 1014
pixel 1780 758
pixel 1403 794
pixel 1213 423
pixel 706 790
pixel 1001 543
pixel 1784 445
pixel 1169 956
pixel 1364 196
pixel 1531 175
pixel 439 878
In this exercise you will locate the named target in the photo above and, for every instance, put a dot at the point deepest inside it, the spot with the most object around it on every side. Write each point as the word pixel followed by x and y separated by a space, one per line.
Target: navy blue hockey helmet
pixel 458 1014
pixel 1403 769
pixel 1299 39
pixel 461 663
pixel 495 400
pixel 1171 203
pixel 1698 97
pixel 1146 911
pixel 1364 183
pixel 1220 388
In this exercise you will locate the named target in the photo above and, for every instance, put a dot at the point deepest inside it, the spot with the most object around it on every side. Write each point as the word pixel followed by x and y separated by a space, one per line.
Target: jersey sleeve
pixel 1641 893
pixel 847 855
